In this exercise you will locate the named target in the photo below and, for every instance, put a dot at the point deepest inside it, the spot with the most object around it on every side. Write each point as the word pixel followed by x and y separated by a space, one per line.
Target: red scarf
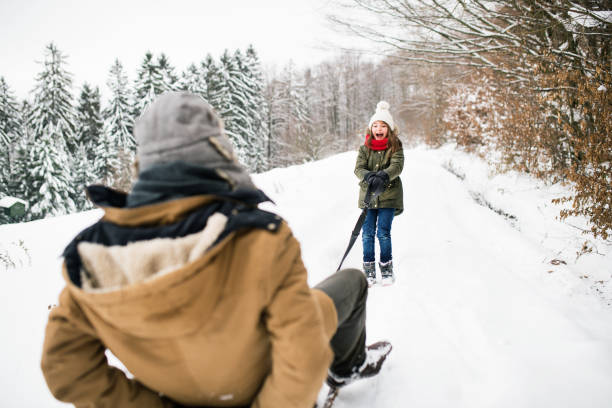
pixel 374 144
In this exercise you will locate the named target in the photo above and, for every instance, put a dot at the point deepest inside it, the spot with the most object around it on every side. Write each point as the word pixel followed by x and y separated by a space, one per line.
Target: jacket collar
pixel 175 218
pixel 163 213
pixel 116 209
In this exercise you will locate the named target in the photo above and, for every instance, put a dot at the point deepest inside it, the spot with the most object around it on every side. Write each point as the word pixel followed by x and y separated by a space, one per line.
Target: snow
pixel 8 201
pixel 486 311
pixel 590 18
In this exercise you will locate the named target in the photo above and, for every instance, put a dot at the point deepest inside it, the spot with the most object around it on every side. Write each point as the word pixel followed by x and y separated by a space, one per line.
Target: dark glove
pixel 377 185
pixel 383 174
pixel 368 176
pixel 377 182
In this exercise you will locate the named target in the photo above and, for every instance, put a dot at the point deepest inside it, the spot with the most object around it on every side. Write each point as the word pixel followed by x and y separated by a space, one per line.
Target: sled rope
pixel 357 228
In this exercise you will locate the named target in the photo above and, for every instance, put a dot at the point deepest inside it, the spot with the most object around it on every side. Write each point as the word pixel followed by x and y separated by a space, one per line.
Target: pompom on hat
pixel 383 114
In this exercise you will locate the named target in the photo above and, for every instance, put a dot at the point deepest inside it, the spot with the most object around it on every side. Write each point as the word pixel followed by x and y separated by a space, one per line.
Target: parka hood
pixel 110 268
pixel 156 266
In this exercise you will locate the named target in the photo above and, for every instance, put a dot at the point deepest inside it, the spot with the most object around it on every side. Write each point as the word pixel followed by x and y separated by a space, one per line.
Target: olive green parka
pixel 392 164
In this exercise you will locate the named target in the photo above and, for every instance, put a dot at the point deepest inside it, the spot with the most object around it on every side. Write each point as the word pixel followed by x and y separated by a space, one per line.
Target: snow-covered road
pixel 478 316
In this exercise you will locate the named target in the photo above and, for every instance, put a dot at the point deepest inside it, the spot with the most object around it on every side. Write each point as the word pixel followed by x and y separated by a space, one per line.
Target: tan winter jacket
pixel 229 325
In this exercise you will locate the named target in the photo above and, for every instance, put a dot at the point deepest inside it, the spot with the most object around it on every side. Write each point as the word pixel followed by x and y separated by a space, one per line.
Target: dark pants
pixel 348 289
pixel 377 221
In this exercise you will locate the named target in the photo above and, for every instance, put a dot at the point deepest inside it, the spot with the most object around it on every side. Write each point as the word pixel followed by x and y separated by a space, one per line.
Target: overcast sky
pixel 93 33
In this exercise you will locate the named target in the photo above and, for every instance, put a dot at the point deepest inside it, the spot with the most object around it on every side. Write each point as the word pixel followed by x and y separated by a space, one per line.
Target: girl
pixel 379 164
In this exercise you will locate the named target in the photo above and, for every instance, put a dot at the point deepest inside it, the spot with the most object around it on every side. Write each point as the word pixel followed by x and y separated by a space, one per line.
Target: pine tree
pixel 83 176
pixel 52 142
pixel 89 119
pixel 257 110
pixel 117 117
pixel 20 165
pixel 149 83
pixel 50 180
pixel 211 73
pixel 169 80
pixel 108 163
pixel 52 110
pixel 193 81
pixel 10 133
pixel 232 107
pixel 90 134
pixel 115 154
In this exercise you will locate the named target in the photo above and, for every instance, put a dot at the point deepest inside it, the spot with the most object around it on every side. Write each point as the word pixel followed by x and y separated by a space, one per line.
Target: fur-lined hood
pixel 114 267
pixel 138 265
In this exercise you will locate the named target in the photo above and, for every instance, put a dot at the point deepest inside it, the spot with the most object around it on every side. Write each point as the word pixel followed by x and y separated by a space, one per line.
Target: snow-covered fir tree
pixel 215 86
pixel 108 165
pixel 256 110
pixel 89 119
pixel 83 176
pixel 52 143
pixel 20 166
pixel 116 152
pixel 10 133
pixel 242 88
pixel 169 80
pixel 51 181
pixel 242 108
pixel 118 120
pixel 52 111
pixel 149 83
pixel 90 134
pixel 232 106
pixel 193 81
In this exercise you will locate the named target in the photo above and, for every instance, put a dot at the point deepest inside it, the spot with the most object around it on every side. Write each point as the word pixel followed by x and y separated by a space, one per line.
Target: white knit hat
pixel 382 113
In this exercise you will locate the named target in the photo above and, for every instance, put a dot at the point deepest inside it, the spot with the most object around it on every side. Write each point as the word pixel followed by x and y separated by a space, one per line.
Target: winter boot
pixel 386 271
pixel 375 357
pixel 370 271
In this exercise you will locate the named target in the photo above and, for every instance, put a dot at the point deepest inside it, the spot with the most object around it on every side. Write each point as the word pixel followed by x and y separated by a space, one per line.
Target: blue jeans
pixel 384 216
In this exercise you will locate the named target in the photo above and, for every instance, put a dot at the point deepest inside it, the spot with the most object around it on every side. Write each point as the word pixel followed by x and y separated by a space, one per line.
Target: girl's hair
pixel 394 143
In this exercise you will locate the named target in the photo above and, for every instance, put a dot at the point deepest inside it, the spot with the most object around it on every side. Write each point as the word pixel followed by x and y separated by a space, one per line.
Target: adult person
pixel 199 293
pixel 380 161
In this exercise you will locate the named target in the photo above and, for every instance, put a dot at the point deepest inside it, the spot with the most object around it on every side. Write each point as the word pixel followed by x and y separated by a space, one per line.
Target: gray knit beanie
pixel 179 126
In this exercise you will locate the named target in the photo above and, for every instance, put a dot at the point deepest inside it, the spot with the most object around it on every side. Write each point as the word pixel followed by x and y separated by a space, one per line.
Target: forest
pixel 525 84
pixel 57 143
